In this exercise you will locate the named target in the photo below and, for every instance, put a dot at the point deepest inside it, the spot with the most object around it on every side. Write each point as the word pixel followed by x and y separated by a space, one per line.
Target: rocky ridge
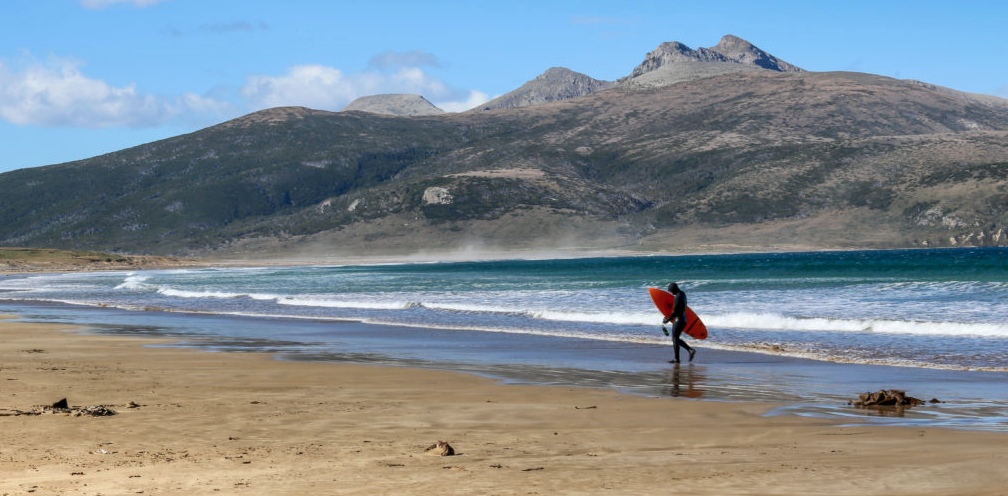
pixel 674 62
pixel 670 63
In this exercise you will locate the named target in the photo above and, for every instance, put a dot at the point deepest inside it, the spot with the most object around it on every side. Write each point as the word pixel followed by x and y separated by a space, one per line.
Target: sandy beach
pixel 192 422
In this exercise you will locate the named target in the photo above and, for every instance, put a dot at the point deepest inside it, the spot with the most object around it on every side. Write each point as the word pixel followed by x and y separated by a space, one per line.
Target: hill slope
pixel 759 159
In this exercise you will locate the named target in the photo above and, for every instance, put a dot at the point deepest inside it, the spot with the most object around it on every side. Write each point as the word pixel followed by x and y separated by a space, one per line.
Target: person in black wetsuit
pixel 679 318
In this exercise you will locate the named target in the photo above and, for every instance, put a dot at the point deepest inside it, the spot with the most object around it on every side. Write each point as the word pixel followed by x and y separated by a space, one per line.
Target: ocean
pixel 807 328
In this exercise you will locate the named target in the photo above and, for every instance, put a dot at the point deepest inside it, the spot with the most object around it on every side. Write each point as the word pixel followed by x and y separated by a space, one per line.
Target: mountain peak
pixel 742 51
pixel 730 40
pixel 557 83
pixel 557 74
pixel 675 47
pixel 673 62
pixel 401 105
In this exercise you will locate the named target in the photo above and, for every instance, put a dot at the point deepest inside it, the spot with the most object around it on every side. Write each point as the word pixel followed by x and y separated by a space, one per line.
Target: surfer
pixel 679 317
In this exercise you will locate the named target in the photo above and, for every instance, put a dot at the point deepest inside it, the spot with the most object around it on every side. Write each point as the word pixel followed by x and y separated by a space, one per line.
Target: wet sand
pixel 970 399
pixel 246 423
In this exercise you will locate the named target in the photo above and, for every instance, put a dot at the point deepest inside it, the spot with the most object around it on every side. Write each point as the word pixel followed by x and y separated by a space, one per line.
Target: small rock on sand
pixel 891 397
pixel 441 448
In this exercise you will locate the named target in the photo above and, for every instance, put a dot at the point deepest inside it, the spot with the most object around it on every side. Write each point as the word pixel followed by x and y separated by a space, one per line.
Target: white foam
pixel 941 328
pixel 736 320
pixel 335 303
pixel 770 321
pixel 134 282
pixel 624 318
pixel 469 307
pixel 181 293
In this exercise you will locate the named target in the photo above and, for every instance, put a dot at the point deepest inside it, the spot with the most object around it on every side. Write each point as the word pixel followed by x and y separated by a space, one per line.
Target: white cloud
pixel 314 86
pixel 327 88
pixel 475 99
pixel 56 93
pixel 101 4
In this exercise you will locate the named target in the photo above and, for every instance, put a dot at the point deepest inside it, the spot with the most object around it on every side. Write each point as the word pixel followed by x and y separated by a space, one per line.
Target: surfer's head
pixel 673 288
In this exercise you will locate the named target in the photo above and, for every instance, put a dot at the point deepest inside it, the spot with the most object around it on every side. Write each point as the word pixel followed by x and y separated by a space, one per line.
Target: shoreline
pixel 755 349
pixel 972 400
pixel 248 423
pixel 141 262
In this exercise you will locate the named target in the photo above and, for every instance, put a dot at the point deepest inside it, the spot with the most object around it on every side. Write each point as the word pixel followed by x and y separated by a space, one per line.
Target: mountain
pixel 557 83
pixel 402 105
pixel 675 62
pixel 742 52
pixel 751 159
pixel 670 63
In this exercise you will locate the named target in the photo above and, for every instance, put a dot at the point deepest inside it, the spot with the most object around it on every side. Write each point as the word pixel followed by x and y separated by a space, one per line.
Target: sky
pixel 80 78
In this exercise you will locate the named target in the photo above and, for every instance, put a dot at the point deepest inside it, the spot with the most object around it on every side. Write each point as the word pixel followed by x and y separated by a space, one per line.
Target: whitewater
pixel 939 309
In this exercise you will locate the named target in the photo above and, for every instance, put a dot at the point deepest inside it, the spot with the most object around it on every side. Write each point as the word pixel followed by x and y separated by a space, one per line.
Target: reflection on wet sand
pixel 685 381
pixel 883 411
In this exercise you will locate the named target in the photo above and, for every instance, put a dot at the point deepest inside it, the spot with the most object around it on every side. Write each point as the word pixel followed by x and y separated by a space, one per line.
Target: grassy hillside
pixel 748 159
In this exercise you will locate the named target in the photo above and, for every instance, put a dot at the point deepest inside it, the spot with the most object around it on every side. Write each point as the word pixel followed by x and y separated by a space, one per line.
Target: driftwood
pixel 886 398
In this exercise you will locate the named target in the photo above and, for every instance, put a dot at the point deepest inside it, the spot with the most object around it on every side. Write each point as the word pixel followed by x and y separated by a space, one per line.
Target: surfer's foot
pixel 673 361
pixel 691 353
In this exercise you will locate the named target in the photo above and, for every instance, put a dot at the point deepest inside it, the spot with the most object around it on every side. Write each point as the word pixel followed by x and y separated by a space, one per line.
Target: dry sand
pixel 221 423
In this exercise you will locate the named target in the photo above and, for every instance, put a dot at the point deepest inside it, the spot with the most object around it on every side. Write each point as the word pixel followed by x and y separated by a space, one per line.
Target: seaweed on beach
pixel 61 406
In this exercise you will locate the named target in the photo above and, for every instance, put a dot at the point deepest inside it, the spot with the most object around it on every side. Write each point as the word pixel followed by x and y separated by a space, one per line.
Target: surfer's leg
pixel 675 345
pixel 689 349
pixel 677 329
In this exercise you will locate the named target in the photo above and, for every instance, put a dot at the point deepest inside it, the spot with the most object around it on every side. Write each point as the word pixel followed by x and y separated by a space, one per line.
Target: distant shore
pixel 192 422
pixel 18 260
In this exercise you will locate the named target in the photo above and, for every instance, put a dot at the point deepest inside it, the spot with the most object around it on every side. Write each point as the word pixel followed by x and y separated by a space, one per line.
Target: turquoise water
pixel 922 308
pixel 808 329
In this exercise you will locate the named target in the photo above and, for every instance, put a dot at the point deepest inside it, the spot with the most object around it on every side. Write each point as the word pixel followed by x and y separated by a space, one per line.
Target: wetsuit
pixel 679 316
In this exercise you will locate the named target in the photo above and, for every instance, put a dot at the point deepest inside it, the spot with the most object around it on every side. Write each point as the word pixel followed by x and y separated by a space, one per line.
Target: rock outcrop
pixel 887 398
pixel 674 62
pixel 440 448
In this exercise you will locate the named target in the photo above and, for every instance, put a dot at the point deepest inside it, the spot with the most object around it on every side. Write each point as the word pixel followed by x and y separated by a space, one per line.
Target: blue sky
pixel 79 78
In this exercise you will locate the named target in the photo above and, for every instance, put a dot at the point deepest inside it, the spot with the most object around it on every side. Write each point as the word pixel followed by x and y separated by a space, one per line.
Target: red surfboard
pixel 665 302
